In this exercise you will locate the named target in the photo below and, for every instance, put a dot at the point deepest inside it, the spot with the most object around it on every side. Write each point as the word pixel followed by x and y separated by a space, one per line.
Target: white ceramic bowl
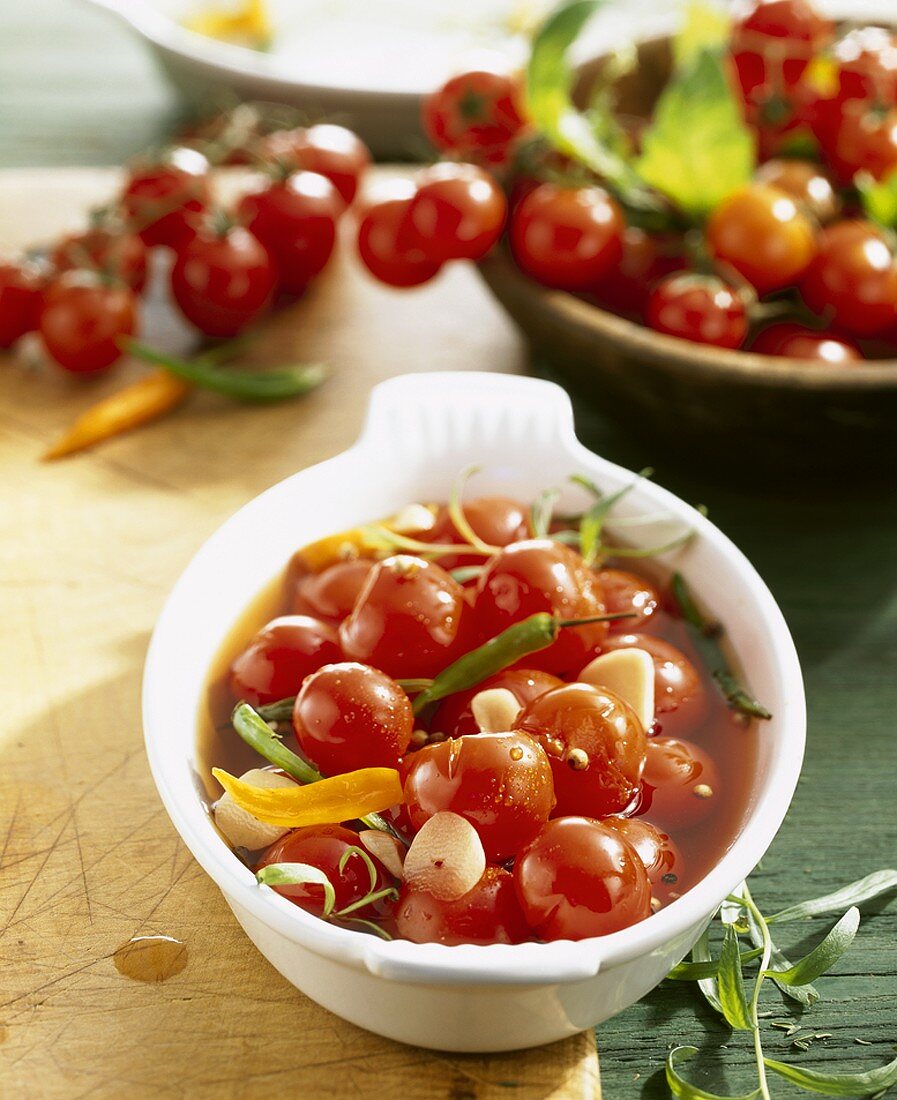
pixel 420 431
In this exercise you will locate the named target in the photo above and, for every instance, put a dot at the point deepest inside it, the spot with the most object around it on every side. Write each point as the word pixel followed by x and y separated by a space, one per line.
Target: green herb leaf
pixel 698 150
pixel 541 513
pixel 864 889
pixel 870 1083
pixel 683 1089
pixel 824 955
pixel 700 953
pixel 879 197
pixel 281 711
pixel 298 874
pixel 806 995
pixel 697 971
pixel 703 27
pixel 730 984
pixel 354 850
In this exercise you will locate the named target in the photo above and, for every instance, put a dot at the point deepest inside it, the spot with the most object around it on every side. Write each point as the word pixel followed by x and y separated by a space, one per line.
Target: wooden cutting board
pixel 89 548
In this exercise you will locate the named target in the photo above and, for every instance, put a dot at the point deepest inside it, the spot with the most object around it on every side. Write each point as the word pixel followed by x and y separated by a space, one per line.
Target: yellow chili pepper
pixel 327 802
pixel 248 23
pixel 137 404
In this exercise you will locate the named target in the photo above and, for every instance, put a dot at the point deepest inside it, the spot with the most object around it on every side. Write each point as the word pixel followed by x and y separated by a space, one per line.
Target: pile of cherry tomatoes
pixel 578 804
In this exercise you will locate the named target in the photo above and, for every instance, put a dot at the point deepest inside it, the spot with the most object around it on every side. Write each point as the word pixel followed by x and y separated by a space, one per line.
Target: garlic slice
pixel 412 518
pixel 495 710
pixel 446 858
pixel 628 673
pixel 240 828
pixel 386 848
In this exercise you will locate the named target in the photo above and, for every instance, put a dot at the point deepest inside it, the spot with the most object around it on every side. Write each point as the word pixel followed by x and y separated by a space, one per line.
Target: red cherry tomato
pixel 853 278
pixel 323 846
pixel 20 301
pixel 295 219
pixel 458 212
pixel 82 320
pixel 163 200
pixel 773 41
pixel 500 782
pixel 579 878
pixel 700 308
pixel 489 913
pixel 763 233
pixel 567 237
pixel 223 280
pixel 331 151
pixel 645 261
pixel 454 716
pixel 542 575
pixel 797 342
pixel 677 685
pixel 407 619
pixel 280 656
pixel 112 252
pixel 680 784
pixel 331 594
pixel 387 247
pixel 474 114
pixel 498 521
pixel 656 849
pixel 350 716
pixel 806 182
pixel 628 592
pixel 865 140
pixel 867 65
pixel 594 743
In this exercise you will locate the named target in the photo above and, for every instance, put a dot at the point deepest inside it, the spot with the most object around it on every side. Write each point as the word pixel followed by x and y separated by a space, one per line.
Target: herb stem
pixel 760 921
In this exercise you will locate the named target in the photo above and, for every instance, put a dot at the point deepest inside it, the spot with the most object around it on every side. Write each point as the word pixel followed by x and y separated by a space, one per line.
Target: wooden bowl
pixel 731 407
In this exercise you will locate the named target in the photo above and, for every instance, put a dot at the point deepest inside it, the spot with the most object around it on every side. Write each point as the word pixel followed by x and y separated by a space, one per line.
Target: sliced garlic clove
pixel 412 518
pixel 628 673
pixel 446 858
pixel 240 828
pixel 495 710
pixel 389 851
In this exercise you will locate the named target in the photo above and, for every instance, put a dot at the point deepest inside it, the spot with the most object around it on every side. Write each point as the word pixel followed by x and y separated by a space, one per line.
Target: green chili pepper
pixel 282 710
pixel 704 635
pixel 528 636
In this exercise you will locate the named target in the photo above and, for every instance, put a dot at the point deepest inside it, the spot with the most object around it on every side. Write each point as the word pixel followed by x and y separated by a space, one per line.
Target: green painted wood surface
pixel 75 88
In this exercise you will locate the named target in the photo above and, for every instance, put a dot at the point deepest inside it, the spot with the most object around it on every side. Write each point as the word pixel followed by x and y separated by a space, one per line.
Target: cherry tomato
pixel 350 716
pixel 867 65
pixel 280 656
pixel 20 301
pixel 82 320
pixel 500 782
pixel 387 247
pixel 454 716
pixel 680 784
pixel 458 212
pixel 579 878
pixel 331 594
pixel 474 114
pixel 489 913
pixel 567 237
pixel 331 151
pixel 762 232
pixel 222 280
pixel 295 219
pixel 163 200
pixel 853 278
pixel 498 521
pixel 865 140
pixel 773 41
pixel 628 592
pixel 110 251
pixel 701 308
pixel 594 743
pixel 407 619
pixel 806 182
pixel 677 685
pixel 797 342
pixel 656 849
pixel 542 575
pixel 323 846
pixel 645 261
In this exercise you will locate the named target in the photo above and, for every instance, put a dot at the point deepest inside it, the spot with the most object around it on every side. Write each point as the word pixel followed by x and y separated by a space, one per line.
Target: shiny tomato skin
pixel 474 114
pixel 700 308
pixel 332 151
pixel 500 782
pixel 542 575
pixel 349 716
pixel 458 212
pixel 83 319
pixel 454 716
pixel 797 342
pixel 388 249
pixel 567 238
pixel 163 201
pixel 680 784
pixel 657 851
pixel 117 254
pixel 773 41
pixel 498 521
pixel 864 140
pixel 806 182
pixel 20 301
pixel 579 878
pixel 489 913
pixel 577 719
pixel 331 594
pixel 295 219
pixel 323 846
pixel 645 261
pixel 626 592
pixel 407 620
pixel 680 700
pixel 222 282
pixel 280 656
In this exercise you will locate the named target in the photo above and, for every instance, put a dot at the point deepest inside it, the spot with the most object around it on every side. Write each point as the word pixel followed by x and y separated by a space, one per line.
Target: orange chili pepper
pixel 145 400
pixel 327 802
